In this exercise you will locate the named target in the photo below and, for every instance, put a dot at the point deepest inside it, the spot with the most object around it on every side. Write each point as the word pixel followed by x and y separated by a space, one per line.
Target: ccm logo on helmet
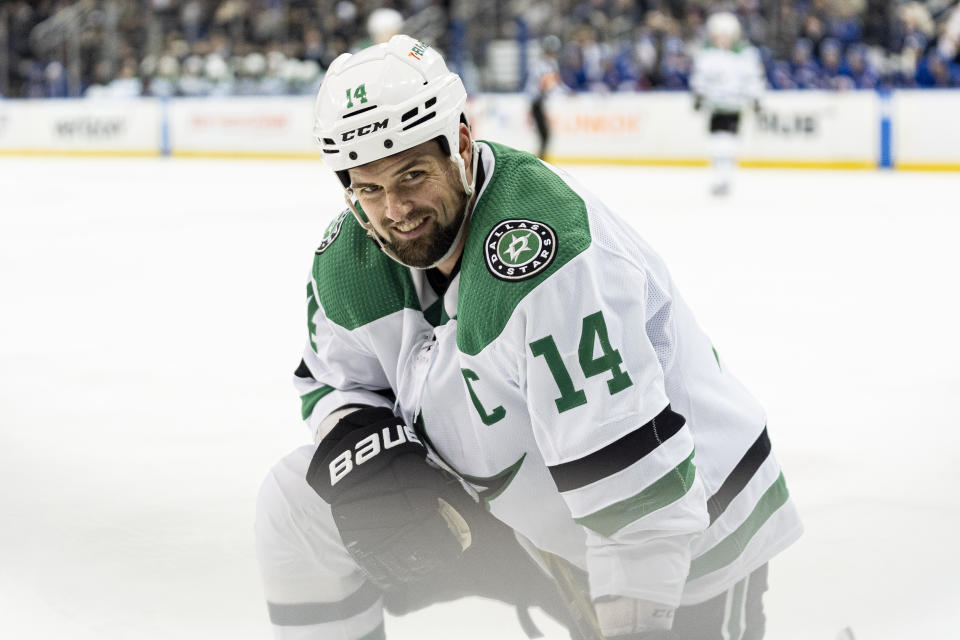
pixel 368 448
pixel 364 130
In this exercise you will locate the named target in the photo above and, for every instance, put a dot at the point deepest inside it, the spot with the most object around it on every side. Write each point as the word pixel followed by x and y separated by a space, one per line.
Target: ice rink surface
pixel 152 315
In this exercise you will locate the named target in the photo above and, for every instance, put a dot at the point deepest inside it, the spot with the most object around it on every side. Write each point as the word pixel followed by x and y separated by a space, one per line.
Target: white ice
pixel 152 314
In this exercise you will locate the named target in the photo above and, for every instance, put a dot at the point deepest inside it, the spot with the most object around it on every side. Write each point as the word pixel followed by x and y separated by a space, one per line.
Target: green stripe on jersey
pixel 670 488
pixel 728 549
pixel 521 187
pixel 309 400
pixel 357 283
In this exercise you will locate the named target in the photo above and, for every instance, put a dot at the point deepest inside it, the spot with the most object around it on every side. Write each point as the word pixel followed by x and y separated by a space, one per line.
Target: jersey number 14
pixel 594 330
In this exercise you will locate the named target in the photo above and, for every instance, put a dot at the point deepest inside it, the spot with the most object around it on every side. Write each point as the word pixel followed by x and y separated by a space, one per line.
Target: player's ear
pixel 464 140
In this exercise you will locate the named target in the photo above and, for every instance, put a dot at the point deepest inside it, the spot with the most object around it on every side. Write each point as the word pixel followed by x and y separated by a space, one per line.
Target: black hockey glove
pixel 398 516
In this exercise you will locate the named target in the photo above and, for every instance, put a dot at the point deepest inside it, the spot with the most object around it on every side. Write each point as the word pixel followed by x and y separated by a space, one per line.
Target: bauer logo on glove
pixel 387 438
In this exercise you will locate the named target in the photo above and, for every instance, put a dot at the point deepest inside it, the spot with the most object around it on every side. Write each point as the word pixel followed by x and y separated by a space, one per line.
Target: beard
pixel 424 251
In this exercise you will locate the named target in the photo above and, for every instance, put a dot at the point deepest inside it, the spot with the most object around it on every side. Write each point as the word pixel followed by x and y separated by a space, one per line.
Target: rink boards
pixel 794 129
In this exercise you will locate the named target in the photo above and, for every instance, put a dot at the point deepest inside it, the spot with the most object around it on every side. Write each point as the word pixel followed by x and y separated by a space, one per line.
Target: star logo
pixel 518 244
pixel 519 249
pixel 333 230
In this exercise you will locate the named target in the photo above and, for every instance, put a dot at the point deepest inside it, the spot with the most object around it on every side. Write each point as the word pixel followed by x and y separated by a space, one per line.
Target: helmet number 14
pixel 360 93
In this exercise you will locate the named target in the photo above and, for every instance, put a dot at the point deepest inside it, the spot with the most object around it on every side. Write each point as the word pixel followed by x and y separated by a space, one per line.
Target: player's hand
pixel 398 516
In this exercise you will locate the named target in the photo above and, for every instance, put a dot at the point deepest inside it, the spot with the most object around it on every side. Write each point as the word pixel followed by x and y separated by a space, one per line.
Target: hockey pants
pixel 315 591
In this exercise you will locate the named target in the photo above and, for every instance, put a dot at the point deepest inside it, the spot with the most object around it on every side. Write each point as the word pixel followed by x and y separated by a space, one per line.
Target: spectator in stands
pixel 126 84
pixel 250 72
pixel 163 82
pixel 619 70
pixel 914 27
pixel 54 80
pixel 933 71
pixel 610 44
pixel 753 22
pixel 907 64
pixel 845 24
pixel 948 44
pixel 592 55
pixel 861 71
pixel 833 72
pixel 780 75
pixel 675 68
pixel 805 71
pixel 192 83
pixel 192 19
pixel 813 32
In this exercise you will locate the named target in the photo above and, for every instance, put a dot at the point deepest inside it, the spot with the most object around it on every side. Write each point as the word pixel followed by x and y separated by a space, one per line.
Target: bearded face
pixel 415 202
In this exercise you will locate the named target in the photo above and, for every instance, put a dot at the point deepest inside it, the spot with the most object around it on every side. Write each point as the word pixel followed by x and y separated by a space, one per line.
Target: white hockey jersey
pixel 728 79
pixel 563 377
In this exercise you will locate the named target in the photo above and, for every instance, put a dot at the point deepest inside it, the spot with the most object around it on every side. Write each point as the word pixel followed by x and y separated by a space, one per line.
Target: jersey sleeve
pixel 620 457
pixel 335 369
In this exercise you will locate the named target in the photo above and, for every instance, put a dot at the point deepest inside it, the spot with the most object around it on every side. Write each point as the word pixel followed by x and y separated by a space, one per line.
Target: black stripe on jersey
pixel 302 371
pixel 618 455
pixel 386 393
pixel 304 613
pixel 740 476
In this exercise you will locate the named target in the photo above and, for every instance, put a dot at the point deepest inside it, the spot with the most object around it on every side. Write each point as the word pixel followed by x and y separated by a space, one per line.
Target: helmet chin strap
pixel 468 189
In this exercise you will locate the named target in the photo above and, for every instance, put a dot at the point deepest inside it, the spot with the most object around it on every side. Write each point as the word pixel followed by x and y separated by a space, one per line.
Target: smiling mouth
pixel 411 228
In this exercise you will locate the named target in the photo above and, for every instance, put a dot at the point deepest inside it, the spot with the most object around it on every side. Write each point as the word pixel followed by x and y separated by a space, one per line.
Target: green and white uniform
pixel 564 378
pixel 729 80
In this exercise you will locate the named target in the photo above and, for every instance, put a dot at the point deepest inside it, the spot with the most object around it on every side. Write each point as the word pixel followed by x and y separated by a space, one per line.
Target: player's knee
pixel 287 508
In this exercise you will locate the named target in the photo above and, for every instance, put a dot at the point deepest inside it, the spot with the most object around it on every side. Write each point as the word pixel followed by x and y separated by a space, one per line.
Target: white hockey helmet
pixel 386 99
pixel 723 24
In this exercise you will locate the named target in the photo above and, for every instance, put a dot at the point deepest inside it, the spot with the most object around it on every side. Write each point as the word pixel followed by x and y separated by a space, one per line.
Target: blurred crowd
pixel 804 44
pixel 55 48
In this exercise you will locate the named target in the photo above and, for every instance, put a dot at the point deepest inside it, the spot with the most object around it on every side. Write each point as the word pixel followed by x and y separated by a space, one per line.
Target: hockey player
pixel 383 24
pixel 727 77
pixel 475 315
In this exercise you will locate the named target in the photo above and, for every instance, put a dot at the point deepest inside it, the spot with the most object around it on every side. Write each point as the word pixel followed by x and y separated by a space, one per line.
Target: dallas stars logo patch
pixel 519 249
pixel 333 230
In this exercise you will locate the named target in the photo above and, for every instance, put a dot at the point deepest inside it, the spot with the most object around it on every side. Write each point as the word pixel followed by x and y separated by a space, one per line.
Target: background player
pixel 475 313
pixel 727 77
pixel 383 24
